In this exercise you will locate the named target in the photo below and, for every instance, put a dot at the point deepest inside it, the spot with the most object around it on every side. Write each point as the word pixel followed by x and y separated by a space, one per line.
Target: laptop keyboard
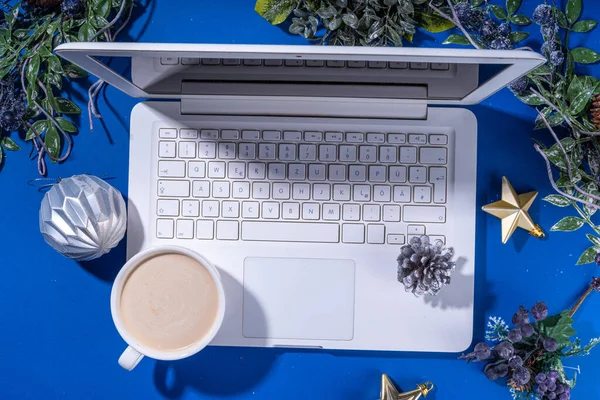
pixel 300 186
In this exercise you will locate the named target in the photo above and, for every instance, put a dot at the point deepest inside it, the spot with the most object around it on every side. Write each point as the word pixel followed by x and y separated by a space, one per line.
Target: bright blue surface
pixel 57 337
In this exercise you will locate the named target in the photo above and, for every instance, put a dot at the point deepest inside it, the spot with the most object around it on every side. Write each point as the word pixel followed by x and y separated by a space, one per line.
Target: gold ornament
pixel 389 391
pixel 512 210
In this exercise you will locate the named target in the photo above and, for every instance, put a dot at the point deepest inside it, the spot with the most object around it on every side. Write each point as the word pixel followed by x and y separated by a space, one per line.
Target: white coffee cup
pixel 137 350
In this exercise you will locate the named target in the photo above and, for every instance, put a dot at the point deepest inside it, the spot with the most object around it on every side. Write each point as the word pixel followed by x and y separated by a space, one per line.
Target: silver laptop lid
pixel 187 71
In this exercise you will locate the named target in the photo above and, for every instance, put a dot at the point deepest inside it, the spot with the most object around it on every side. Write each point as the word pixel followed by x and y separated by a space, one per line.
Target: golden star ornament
pixel 389 391
pixel 512 210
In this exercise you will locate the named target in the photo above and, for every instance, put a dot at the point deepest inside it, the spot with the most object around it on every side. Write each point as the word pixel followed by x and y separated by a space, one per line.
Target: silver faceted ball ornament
pixel 83 217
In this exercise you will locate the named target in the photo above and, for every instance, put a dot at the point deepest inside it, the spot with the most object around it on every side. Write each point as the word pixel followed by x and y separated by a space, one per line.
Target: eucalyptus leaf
pixel 456 39
pixel 557 200
pixel 595 240
pixel 86 31
pixel 350 19
pixel 52 141
pixel 54 64
pixel 567 224
pixel 573 10
pixel 39 126
pixel 574 89
pixel 518 36
pixel 561 18
pixel 433 23
pixel 521 20
pixel 66 106
pixel 532 99
pixel 9 144
pixel 477 3
pixel 580 102
pixel 102 8
pixel 512 6
pixel 583 55
pixel 73 71
pixel 585 25
pixel 588 256
pixel 66 125
pixel 274 11
pixel 498 11
pixel 32 69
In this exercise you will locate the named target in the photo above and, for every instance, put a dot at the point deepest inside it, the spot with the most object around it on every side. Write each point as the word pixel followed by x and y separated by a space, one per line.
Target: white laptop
pixel 300 171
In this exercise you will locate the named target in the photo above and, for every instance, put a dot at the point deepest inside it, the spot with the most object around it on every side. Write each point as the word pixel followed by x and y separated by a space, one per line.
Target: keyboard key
pixel 266 151
pixel 422 194
pixel 301 191
pixel 216 169
pixel 187 133
pixel 424 214
pixel 355 137
pixel 419 65
pixel 287 152
pixel 169 60
pixel 228 230
pixel 417 174
pixel 396 138
pixel 270 210
pixel 416 138
pixel 250 135
pixel 348 153
pixel 398 174
pixel 398 65
pixel 316 172
pixel 240 190
pixel 296 172
pixel 440 66
pixel 200 189
pixel 336 63
pixel 337 172
pixel 321 191
pixel 261 190
pixel 376 234
pixel 237 170
pixel 372 212
pixel 415 229
pixel 166 149
pixel 209 134
pixel 307 152
pixel 391 213
pixel 196 169
pixel 231 61
pixel 273 63
pixel 210 208
pixel 382 193
pixel 165 228
pixel 351 212
pixel 402 194
pixel 256 170
pixel 313 136
pixel 294 63
pixel 353 233
pixel 408 155
pixel 327 152
pixel 433 155
pixel 271 135
pixel 167 208
pixel 173 188
pixel 207 150
pixel 395 239
pixel 310 211
pixel 377 173
pixel 230 209
pixel 230 134
pixel 341 192
pixel 290 232
pixel 334 136
pixel 185 229
pixel 250 209
pixel 388 154
pixel 315 63
pixel 375 138
pixel 187 149
pixel 331 212
pixel 290 210
pixel 252 62
pixel 211 61
pixel 190 208
pixel 357 173
pixel 171 169
pixel 438 139
pixel 377 64
pixel 437 176
pixel 167 133
pixel 361 193
pixel 292 136
pixel 226 151
pixel 356 64
pixel 220 189
pixel 247 151
pixel 204 229
pixel 281 191
pixel 276 171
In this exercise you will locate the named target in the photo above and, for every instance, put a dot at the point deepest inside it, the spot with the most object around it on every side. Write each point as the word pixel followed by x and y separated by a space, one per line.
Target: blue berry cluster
pixel 544 16
pixel 550 388
pixel 12 107
pixel 73 8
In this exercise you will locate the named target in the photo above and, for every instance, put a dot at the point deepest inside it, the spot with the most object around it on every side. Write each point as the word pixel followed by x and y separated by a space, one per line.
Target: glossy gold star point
pixel 513 209
pixel 389 391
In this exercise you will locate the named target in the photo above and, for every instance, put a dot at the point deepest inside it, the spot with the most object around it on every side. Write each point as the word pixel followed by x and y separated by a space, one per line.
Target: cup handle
pixel 130 358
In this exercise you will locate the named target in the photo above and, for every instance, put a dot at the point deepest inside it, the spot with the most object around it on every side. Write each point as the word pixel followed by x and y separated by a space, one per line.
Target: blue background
pixel 57 339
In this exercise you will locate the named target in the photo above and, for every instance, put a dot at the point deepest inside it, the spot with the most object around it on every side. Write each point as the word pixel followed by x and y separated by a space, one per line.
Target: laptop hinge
pixel 305 107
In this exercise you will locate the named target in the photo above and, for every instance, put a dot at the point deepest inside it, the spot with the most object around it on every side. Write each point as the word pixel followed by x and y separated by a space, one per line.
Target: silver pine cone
pixel 424 268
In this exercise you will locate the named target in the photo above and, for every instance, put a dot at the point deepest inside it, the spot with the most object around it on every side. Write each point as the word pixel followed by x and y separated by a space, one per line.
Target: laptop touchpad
pixel 298 298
